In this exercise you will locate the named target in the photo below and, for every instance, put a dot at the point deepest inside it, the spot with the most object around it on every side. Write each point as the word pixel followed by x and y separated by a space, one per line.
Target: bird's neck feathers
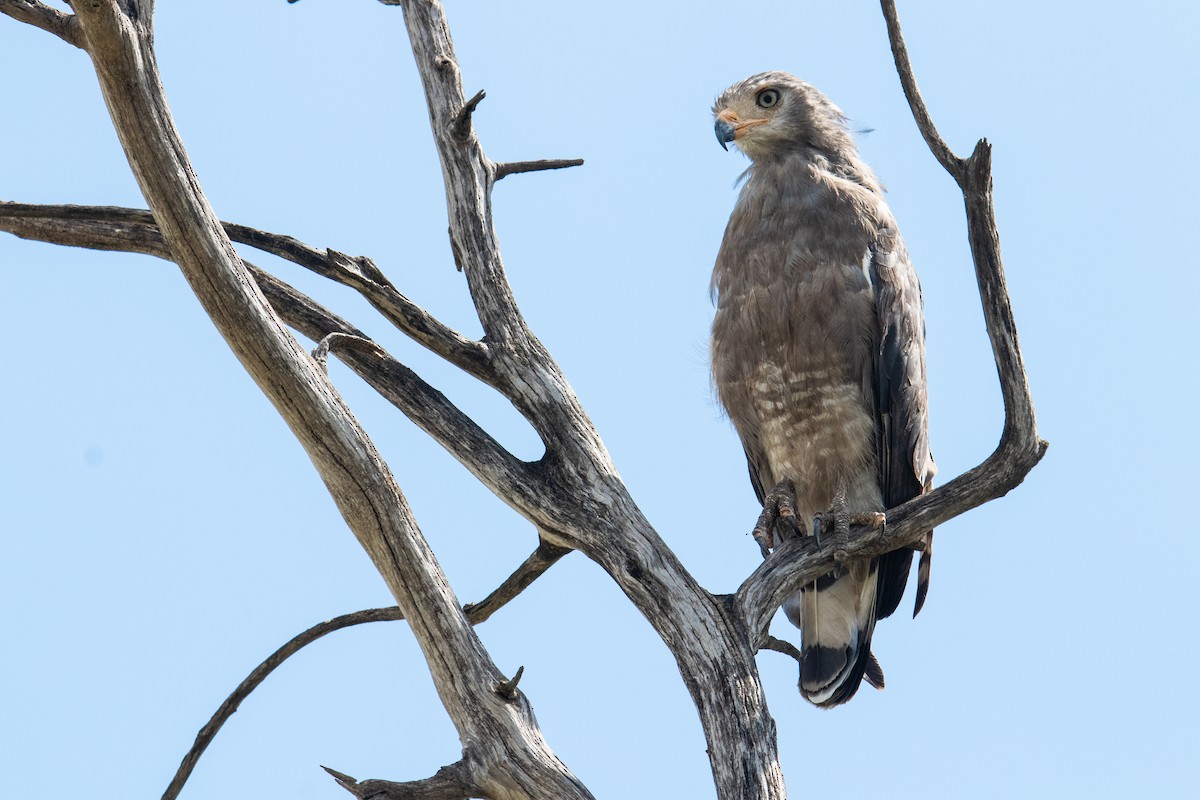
pixel 807 182
pixel 818 168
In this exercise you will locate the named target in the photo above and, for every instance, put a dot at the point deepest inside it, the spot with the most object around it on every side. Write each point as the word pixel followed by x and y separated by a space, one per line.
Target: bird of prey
pixel 818 357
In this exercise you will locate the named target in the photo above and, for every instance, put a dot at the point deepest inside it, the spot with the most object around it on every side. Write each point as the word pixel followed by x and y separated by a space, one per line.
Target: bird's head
pixel 773 113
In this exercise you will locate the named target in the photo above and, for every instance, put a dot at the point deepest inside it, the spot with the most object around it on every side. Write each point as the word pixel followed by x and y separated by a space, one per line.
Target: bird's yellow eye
pixel 767 98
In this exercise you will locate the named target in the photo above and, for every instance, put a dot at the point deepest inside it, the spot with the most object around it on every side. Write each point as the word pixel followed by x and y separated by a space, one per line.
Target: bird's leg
pixel 839 518
pixel 779 508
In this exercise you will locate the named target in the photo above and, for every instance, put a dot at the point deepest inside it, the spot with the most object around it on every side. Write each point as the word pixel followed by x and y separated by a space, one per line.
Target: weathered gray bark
pixel 573 494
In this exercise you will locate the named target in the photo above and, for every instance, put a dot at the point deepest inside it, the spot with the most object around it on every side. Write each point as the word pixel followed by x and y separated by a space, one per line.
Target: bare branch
pixel 40 15
pixel 466 171
pixel 130 230
pixel 361 274
pixel 1020 444
pixel 941 151
pixel 298 310
pixel 506 168
pixel 508 689
pixel 450 783
pixel 260 673
pixel 343 342
pixel 461 126
pixel 533 567
pixel 583 502
pixel 544 557
pixel 517 758
pixel 134 230
pixel 780 646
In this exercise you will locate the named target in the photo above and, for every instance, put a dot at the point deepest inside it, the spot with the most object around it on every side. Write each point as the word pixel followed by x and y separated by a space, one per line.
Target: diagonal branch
pixel 118 227
pixel 545 556
pixel 780 646
pixel 460 125
pixel 40 15
pixel 361 274
pixel 587 505
pixel 941 151
pixel 258 675
pixel 515 760
pixel 533 567
pixel 129 230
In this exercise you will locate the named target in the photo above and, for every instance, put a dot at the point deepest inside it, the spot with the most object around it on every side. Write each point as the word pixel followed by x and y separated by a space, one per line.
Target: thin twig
pixel 461 126
pixel 135 230
pixel 40 15
pixel 780 646
pixel 941 151
pixel 529 571
pixel 129 230
pixel 505 168
pixel 508 689
pixel 544 557
pixel 361 274
pixel 260 673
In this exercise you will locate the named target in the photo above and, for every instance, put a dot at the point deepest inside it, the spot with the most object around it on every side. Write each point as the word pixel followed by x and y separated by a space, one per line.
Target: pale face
pixel 753 115
pixel 774 113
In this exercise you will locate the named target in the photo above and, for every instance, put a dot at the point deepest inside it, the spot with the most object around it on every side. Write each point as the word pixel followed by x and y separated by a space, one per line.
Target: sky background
pixel 161 531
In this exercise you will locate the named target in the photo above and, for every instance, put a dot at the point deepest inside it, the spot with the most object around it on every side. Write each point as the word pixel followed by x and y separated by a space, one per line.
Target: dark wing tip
pixel 923 570
pixel 873 672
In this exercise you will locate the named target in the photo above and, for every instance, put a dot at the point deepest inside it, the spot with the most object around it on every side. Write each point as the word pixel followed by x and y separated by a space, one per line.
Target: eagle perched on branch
pixel 818 357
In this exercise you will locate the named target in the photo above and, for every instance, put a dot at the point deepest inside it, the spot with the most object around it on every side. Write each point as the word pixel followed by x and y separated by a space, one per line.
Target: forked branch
pixel 134 231
pixel 573 494
pixel 260 674
pixel 510 758
pixel 529 571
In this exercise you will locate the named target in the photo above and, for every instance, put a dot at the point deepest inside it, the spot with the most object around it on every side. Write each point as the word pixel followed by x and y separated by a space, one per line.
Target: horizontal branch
pixel 449 783
pixel 506 168
pixel 111 227
pixel 129 230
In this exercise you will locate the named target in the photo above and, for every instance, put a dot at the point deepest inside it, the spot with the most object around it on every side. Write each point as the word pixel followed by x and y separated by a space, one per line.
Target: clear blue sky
pixel 162 532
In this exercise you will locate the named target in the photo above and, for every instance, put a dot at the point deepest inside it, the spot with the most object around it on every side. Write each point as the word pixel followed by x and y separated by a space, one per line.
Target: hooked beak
pixel 725 132
pixel 729 125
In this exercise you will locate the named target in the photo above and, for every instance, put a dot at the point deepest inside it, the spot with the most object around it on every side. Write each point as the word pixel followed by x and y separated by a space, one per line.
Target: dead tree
pixel 572 494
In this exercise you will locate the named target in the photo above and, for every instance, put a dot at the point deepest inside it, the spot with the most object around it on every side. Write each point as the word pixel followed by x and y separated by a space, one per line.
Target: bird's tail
pixel 836 617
